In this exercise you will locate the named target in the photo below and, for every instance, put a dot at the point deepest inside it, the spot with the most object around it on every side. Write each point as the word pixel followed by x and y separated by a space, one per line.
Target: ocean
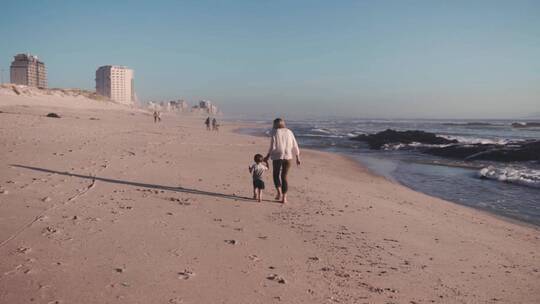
pixel 509 190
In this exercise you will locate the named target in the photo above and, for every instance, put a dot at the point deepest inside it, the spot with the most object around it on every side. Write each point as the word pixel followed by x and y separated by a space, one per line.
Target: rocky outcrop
pixel 377 140
pixel 525 151
pixel 509 152
pixel 526 125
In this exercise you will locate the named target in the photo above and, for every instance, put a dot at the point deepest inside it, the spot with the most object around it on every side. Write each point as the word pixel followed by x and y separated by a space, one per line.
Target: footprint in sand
pixel 186 274
pixel 276 278
pixel 49 231
pixel 23 250
pixel 254 257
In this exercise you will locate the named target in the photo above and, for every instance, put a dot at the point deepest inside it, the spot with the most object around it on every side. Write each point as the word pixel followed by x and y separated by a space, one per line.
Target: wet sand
pixel 104 206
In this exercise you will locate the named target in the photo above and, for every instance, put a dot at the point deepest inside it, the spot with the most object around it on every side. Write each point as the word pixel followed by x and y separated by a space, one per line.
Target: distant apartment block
pixel 28 70
pixel 116 83
pixel 206 105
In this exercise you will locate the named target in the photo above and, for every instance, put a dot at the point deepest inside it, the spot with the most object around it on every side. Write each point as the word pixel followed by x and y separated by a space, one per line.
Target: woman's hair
pixel 279 123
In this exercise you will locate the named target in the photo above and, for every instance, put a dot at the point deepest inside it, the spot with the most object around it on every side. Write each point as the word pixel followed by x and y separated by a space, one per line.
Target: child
pixel 257 170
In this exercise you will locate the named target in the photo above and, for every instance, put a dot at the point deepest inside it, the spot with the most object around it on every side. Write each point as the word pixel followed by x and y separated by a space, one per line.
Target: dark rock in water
pixel 510 152
pixel 526 125
pixel 53 115
pixel 528 151
pixel 457 151
pixel 376 141
pixel 518 151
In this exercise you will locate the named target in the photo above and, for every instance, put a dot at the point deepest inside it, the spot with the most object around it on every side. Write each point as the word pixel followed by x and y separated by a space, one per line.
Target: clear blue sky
pixel 355 58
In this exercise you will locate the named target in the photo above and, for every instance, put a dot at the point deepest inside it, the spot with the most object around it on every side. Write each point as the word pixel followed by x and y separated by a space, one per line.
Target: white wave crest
pixel 401 146
pixel 476 140
pixel 324 131
pixel 515 175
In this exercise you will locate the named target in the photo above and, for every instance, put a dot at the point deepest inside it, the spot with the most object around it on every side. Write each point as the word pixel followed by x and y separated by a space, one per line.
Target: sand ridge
pixel 104 206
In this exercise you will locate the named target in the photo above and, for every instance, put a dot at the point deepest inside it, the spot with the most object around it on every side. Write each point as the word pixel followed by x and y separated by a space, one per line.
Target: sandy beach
pixel 104 206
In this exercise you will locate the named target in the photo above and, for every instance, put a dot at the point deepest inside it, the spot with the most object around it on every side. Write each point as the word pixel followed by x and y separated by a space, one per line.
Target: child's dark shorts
pixel 258 184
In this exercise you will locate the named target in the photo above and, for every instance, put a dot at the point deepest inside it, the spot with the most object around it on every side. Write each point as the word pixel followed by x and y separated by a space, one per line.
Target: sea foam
pixel 510 174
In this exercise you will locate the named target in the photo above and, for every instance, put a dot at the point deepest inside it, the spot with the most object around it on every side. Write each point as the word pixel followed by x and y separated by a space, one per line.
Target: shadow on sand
pixel 142 185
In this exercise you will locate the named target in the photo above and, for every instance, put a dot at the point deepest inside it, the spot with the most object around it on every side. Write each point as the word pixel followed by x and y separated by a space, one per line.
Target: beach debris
pixel 276 278
pixel 53 115
pixel 186 274
pixel 313 258
pixel 120 270
pixel 231 242
pixel 46 199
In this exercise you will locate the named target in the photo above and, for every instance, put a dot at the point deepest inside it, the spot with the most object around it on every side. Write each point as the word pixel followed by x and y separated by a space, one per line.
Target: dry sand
pixel 104 206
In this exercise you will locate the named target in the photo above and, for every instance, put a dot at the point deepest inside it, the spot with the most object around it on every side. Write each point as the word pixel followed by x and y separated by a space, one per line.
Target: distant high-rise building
pixel 28 70
pixel 207 106
pixel 116 83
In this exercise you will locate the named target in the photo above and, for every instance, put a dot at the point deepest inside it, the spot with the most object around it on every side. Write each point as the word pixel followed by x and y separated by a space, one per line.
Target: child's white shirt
pixel 257 170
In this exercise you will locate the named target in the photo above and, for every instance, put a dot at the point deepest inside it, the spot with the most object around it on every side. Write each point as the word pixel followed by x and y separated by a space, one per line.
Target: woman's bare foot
pixel 278 195
pixel 284 199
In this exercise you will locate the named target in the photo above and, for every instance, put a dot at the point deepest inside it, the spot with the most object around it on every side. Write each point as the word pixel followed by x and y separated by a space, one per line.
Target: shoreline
pixel 365 168
pixel 151 213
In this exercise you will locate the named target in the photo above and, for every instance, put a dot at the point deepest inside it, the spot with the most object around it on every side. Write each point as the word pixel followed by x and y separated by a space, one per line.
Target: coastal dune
pixel 105 206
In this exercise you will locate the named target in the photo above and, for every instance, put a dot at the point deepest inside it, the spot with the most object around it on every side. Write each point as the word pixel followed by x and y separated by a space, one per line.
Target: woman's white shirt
pixel 283 144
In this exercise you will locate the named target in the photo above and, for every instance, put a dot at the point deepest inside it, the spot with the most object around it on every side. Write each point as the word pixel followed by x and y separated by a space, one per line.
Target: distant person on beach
pixel 207 123
pixel 215 125
pixel 157 116
pixel 257 170
pixel 283 147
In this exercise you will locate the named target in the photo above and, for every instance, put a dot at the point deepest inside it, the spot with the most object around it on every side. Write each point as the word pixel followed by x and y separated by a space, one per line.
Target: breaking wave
pixel 515 175
pixel 477 140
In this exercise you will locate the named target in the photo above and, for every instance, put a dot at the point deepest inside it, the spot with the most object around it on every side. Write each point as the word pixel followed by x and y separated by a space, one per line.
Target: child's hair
pixel 258 158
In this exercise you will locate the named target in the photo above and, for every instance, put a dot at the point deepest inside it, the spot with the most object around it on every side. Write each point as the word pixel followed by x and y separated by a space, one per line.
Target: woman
pixel 283 147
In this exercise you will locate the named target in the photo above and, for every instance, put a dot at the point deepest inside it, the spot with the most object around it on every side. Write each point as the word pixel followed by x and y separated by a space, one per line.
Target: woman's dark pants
pixel 281 168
